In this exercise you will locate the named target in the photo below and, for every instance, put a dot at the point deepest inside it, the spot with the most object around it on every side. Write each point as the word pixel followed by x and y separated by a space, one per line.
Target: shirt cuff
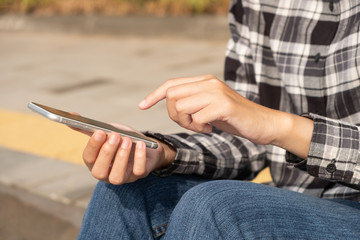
pixel 185 161
pixel 334 151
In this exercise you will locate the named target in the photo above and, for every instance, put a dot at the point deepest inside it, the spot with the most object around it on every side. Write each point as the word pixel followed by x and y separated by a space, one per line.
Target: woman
pixel 291 102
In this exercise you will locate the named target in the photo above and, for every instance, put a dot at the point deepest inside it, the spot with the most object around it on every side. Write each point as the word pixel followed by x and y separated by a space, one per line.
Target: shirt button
pixel 331 6
pixel 317 57
pixel 331 168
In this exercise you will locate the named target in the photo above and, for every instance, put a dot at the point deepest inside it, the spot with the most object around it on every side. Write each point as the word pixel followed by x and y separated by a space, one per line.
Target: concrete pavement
pixel 103 77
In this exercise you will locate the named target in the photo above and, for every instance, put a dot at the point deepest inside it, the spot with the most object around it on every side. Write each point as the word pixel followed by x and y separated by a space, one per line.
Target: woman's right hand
pixel 117 160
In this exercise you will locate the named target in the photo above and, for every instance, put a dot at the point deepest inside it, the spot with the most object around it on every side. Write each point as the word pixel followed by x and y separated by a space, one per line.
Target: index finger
pixel 160 93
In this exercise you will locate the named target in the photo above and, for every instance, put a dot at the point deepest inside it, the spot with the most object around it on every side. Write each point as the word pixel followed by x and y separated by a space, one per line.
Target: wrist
pixel 283 125
pixel 167 155
pixel 293 133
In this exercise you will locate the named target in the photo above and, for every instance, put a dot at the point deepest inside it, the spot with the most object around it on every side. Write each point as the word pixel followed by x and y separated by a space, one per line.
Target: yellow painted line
pixel 30 133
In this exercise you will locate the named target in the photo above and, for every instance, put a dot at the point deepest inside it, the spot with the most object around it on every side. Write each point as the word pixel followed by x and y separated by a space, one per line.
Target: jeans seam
pixel 159 226
pixel 158 234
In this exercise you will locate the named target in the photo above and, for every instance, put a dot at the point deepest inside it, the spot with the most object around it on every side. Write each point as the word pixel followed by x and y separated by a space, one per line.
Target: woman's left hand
pixel 196 103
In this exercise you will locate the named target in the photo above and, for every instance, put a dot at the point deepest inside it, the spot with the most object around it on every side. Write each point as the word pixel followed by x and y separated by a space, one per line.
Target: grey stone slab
pixel 28 216
pixel 14 164
pixel 61 188
pixel 53 179
pixel 35 172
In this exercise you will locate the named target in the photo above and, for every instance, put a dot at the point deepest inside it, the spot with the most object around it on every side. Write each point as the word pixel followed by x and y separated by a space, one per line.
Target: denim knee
pixel 211 211
pixel 218 192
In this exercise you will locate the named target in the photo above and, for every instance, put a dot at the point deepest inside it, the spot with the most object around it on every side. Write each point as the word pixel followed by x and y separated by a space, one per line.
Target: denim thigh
pixel 138 210
pixel 229 209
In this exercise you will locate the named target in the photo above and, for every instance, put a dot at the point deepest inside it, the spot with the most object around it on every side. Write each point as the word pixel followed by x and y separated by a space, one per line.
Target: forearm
pixel 293 133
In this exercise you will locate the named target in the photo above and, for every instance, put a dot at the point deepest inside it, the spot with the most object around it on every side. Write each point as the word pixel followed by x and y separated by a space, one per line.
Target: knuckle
pixel 210 76
pixel 116 180
pixel 199 128
pixel 175 120
pixel 122 153
pixel 198 124
pixel 179 107
pixel 88 160
pixel 100 175
pixel 189 126
pixel 144 175
pixel 170 93
pixel 197 120
pixel 139 172
pixel 170 81
pixel 173 116
pixel 186 121
pixel 107 153
pixel 215 81
pixel 107 149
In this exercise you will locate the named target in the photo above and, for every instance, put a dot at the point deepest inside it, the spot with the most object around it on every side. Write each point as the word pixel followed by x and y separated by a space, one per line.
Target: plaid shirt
pixel 299 57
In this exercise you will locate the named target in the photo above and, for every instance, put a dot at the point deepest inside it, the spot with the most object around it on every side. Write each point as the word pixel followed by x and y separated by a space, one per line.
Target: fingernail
pixel 97 136
pixel 140 145
pixel 142 104
pixel 125 143
pixel 112 139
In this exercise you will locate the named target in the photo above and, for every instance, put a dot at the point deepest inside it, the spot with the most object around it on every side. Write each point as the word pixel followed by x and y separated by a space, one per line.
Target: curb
pixel 44 194
pixel 56 180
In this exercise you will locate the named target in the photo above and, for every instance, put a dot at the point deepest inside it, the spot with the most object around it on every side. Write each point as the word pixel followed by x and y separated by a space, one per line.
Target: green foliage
pixel 198 6
pixel 33 3
pixel 25 5
pixel 137 2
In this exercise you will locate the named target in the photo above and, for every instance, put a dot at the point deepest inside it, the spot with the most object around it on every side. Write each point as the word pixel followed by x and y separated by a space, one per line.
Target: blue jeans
pixel 188 207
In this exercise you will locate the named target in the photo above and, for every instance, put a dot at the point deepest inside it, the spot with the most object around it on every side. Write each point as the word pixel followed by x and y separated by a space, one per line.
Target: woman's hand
pixel 197 103
pixel 117 160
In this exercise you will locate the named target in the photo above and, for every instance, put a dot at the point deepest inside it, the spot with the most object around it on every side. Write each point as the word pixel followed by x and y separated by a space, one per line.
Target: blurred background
pixel 98 58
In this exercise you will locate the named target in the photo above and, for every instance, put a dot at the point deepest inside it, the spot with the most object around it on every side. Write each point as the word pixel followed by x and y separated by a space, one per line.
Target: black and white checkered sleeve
pixel 218 155
pixel 334 151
